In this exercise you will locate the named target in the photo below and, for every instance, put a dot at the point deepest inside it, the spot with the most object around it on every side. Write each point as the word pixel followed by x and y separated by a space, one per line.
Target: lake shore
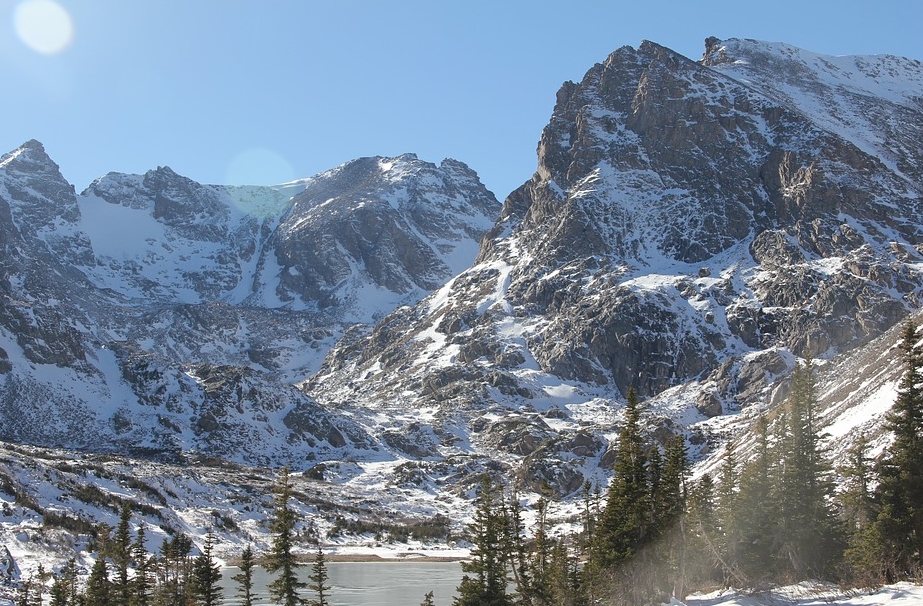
pixel 371 555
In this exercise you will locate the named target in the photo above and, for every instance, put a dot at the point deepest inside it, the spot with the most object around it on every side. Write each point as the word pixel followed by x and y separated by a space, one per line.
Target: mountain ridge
pixel 691 230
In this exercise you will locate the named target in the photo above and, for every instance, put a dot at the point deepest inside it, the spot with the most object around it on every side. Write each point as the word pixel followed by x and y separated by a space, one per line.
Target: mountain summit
pixel 691 227
pixel 153 314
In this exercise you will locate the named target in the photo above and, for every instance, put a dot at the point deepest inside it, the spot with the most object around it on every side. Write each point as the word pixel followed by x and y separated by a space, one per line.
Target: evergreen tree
pixel 280 559
pixel 900 489
pixel 671 510
pixel 754 520
pixel 143 581
pixel 206 574
pixel 65 591
pixel 703 533
pixel 485 579
pixel 670 502
pixel 175 570
pixel 25 592
pixel 120 552
pixel 428 600
pixel 318 580
pixel 98 589
pixel 565 577
pixel 58 593
pixel 540 571
pixel 809 536
pixel 244 578
pixel 857 503
pixel 625 523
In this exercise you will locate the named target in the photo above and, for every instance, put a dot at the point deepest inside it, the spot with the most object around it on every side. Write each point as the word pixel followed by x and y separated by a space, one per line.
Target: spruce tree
pixel 143 581
pixel 856 498
pixel 625 523
pixel 244 578
pixel 428 600
pixel 98 589
pixel 540 572
pixel 175 571
pixel 671 513
pixel 754 520
pixel 809 536
pixel 121 554
pixel 58 593
pixel 206 575
pixel 64 591
pixel 318 580
pixel 485 579
pixel 899 524
pixel 281 559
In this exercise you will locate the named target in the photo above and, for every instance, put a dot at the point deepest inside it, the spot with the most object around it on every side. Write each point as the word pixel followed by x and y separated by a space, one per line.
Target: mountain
pixel 691 229
pixel 152 314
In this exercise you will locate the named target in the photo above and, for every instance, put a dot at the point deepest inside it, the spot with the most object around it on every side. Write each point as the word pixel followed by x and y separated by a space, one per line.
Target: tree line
pixel 124 573
pixel 776 516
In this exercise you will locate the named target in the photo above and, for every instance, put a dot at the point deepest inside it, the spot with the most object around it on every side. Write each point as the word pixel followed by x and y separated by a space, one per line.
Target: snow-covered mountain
pixel 691 230
pixel 157 315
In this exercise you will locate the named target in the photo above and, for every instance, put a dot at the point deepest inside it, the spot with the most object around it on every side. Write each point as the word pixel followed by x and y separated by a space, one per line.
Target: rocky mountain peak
pixel 155 314
pixel 407 223
pixel 691 228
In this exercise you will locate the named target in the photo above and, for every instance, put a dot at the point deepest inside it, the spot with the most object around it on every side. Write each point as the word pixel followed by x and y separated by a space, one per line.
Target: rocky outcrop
pixel 155 315
pixel 692 228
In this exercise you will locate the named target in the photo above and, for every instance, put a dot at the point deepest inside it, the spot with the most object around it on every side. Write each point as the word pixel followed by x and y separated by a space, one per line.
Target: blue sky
pixel 259 92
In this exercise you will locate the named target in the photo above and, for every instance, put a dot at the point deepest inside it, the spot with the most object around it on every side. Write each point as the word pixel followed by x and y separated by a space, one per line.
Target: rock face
pixel 691 228
pixel 158 316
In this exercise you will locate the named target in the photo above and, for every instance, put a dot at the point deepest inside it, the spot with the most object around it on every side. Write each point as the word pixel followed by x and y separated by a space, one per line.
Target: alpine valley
pixel 390 330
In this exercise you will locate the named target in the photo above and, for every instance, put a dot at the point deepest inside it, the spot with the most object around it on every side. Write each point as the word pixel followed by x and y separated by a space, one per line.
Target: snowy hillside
pixel 691 231
pixel 152 314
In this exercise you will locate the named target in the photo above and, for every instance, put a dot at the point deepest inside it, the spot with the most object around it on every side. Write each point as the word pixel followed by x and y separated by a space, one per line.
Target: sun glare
pixel 258 166
pixel 43 25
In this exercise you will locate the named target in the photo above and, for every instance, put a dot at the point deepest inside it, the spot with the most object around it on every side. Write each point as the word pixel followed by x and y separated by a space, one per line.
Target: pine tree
pixel 206 575
pixel 175 570
pixel 143 581
pixel 625 523
pixel 120 552
pixel 809 537
pixel 754 520
pixel 428 600
pixel 899 524
pixel 98 589
pixel 318 580
pixel 280 559
pixel 703 533
pixel 64 591
pixel 671 510
pixel 566 580
pixel 485 579
pixel 58 593
pixel 856 497
pixel 244 578
pixel 25 592
pixel 540 591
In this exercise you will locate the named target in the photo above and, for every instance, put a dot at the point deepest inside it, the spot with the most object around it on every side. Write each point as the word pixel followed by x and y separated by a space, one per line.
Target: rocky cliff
pixel 692 227
pixel 155 315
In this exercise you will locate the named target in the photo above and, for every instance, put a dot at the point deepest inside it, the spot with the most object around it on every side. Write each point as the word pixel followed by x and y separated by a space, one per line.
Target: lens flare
pixel 259 166
pixel 248 174
pixel 43 25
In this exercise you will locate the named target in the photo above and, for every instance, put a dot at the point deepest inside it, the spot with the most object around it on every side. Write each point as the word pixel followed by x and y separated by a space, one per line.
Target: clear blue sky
pixel 259 92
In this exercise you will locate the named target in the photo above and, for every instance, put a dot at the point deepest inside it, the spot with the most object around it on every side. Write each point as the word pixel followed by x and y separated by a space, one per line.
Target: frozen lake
pixel 367 583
